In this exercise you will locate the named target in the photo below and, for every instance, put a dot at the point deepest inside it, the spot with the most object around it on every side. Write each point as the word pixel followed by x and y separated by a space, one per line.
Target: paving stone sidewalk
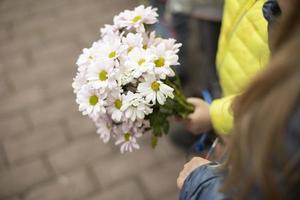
pixel 48 151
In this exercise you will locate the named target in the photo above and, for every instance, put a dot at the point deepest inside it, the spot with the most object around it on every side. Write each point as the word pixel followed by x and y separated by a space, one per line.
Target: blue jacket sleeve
pixel 203 183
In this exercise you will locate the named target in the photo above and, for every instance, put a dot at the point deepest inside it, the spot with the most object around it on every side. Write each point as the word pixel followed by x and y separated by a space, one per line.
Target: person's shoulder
pixel 204 183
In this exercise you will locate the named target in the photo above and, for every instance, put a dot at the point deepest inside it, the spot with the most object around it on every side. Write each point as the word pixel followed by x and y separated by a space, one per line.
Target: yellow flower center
pixel 145 46
pixel 155 86
pixel 118 104
pixel 93 100
pixel 136 19
pixel 160 62
pixel 91 57
pixel 129 49
pixel 141 61
pixel 103 75
pixel 127 136
pixel 112 54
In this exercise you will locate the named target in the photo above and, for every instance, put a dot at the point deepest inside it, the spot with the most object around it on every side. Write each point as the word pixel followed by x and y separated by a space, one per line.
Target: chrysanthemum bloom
pixel 140 61
pixel 79 81
pixel 136 18
pixel 163 61
pixel 135 107
pixel 104 128
pixel 133 40
pixel 171 45
pixel 115 101
pixel 127 137
pixel 109 29
pixel 110 47
pixel 102 74
pixel 87 57
pixel 153 89
pixel 91 102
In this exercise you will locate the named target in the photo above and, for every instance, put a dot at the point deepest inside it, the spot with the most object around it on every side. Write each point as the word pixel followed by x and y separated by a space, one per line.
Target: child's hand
pixel 189 168
pixel 199 121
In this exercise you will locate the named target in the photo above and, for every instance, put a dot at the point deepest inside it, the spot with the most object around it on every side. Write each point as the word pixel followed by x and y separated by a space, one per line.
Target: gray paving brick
pixel 17 101
pixel 171 196
pixel 127 190
pixel 27 145
pixel 2 162
pixel 81 125
pixel 21 177
pixel 165 175
pixel 120 166
pixel 74 185
pixel 165 150
pixel 62 52
pixel 19 45
pixel 78 153
pixel 12 124
pixel 14 63
pixel 61 108
pixel 62 86
pixel 4 88
pixel 46 72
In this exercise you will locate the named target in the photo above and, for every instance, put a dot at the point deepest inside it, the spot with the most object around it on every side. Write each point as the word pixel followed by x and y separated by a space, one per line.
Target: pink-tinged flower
pixel 104 128
pixel 127 137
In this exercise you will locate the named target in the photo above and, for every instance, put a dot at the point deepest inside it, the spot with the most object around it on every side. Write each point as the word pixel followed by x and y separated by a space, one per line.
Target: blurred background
pixel 47 149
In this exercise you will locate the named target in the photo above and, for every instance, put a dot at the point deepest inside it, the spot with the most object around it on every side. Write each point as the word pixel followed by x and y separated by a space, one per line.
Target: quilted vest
pixel 242 52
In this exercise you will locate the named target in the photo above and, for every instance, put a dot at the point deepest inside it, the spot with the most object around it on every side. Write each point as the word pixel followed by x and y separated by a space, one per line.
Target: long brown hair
pixel 258 162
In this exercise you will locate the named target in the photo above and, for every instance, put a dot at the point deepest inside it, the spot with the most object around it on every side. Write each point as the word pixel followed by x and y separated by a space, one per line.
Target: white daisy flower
pixel 140 61
pixel 104 128
pixel 171 45
pixel 91 102
pixel 125 76
pixel 135 106
pixel 86 58
pixel 115 101
pixel 110 47
pixel 136 18
pixel 79 81
pixel 163 61
pixel 133 40
pixel 149 39
pixel 102 74
pixel 153 89
pixel 108 29
pixel 128 138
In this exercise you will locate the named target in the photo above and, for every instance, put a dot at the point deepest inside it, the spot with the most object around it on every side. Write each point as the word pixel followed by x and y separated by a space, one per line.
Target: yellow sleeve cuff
pixel 221 115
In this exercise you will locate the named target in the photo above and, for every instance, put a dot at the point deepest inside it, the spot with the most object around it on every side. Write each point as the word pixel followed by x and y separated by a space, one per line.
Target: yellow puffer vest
pixel 243 52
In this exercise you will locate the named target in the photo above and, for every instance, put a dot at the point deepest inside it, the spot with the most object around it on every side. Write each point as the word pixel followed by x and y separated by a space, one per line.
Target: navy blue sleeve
pixel 203 183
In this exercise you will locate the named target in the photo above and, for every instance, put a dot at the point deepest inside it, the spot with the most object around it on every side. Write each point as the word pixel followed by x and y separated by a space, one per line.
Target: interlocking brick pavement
pixel 48 151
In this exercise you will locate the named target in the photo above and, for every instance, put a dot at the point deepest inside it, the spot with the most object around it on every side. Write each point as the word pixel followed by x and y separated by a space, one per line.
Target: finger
pixel 193 100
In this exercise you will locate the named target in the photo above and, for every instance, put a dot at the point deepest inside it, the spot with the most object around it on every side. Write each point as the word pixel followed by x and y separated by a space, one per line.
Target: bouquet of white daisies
pixel 125 82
